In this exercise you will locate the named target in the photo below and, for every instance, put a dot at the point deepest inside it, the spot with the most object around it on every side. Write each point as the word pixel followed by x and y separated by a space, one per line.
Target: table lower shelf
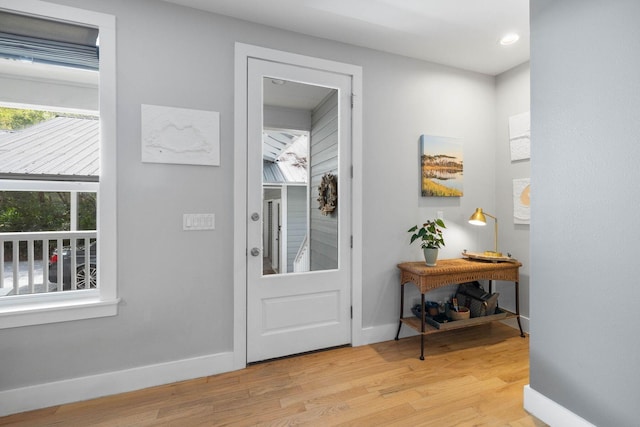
pixel 415 323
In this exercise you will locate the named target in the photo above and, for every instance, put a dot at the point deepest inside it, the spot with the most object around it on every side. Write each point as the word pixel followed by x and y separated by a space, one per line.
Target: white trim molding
pixel 387 332
pixel 52 311
pixel 550 412
pixel 94 386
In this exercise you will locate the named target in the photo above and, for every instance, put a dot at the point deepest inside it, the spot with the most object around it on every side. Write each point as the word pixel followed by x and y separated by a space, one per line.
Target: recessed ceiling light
pixel 508 39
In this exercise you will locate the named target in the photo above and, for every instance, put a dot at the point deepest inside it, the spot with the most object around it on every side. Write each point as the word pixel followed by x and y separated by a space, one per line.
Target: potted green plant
pixel 431 236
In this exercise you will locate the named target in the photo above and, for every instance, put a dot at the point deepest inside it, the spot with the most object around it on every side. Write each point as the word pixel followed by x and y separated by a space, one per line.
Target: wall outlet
pixel 191 222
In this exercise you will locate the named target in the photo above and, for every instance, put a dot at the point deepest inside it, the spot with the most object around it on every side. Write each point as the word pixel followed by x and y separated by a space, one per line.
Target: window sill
pixel 43 312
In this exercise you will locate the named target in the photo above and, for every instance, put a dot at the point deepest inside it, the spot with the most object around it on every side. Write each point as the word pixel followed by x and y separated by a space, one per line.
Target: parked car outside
pixel 81 271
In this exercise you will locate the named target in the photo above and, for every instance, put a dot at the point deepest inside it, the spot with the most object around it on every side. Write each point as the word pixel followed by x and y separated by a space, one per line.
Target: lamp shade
pixel 478 218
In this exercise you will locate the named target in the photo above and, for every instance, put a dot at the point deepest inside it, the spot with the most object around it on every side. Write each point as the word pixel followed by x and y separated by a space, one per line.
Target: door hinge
pixel 352 312
pixel 351 242
pixel 351 171
pixel 352 99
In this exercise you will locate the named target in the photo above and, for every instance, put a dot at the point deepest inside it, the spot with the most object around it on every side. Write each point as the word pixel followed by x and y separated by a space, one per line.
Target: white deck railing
pixel 31 275
pixel 301 261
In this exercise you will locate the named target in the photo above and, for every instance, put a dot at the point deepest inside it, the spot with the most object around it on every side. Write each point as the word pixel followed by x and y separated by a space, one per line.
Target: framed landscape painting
pixel 441 166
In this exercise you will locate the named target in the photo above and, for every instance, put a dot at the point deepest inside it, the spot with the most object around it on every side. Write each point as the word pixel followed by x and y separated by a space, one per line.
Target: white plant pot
pixel 430 256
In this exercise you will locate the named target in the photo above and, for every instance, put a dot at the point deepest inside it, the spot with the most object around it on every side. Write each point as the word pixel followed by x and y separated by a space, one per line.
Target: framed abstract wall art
pixel 180 136
pixel 441 166
pixel 522 201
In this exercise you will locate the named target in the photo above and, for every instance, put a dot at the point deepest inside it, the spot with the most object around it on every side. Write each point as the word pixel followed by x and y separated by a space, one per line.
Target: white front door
pixel 290 313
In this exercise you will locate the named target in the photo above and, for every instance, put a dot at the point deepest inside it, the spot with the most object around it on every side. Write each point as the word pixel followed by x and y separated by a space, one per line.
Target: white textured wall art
pixel 522 201
pixel 180 135
pixel 520 136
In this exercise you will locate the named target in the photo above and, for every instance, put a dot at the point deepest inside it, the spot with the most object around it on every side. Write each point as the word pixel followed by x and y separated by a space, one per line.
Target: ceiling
pixel 288 94
pixel 459 33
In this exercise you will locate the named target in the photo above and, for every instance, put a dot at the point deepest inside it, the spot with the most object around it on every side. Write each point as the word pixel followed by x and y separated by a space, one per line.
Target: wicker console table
pixel 452 271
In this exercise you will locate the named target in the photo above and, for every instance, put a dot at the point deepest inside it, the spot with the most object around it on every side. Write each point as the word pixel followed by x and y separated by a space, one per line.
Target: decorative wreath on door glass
pixel 328 194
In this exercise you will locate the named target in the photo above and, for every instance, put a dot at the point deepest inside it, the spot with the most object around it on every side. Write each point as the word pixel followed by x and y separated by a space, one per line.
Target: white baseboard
pixel 84 388
pixel 374 334
pixel 550 412
pixel 380 333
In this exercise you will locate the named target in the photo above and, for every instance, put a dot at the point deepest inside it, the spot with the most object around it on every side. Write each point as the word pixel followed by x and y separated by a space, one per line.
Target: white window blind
pixel 31 39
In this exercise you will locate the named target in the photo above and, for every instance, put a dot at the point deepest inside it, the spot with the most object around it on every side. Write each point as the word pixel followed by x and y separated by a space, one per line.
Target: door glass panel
pixel 300 140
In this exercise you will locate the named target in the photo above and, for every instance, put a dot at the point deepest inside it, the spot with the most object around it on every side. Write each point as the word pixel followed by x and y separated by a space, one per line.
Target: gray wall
pixel 512 97
pixel 176 287
pixel 585 86
pixel 323 149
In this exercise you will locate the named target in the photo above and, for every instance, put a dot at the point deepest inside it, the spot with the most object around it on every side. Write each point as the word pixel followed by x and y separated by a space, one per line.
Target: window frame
pixel 39 309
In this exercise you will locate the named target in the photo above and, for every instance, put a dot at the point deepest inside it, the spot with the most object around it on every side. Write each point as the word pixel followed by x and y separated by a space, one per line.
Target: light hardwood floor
pixel 471 377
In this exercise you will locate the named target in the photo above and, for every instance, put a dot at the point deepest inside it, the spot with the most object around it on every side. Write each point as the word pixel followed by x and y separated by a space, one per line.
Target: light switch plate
pixel 192 222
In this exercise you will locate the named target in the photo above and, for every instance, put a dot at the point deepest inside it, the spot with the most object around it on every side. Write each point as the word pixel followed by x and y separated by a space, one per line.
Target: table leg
pixel 518 308
pixel 423 311
pixel 401 311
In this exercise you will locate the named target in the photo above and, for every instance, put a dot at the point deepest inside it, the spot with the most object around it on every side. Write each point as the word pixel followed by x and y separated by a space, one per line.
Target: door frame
pixel 242 54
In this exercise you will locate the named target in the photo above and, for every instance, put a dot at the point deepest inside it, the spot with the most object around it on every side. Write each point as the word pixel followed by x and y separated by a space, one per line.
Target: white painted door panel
pixel 297 312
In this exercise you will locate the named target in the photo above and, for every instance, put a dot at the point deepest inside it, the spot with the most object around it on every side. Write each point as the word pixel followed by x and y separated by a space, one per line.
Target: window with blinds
pixel 54 201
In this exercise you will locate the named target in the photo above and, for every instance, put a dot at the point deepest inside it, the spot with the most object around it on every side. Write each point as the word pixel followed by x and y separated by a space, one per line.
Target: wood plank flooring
pixel 470 377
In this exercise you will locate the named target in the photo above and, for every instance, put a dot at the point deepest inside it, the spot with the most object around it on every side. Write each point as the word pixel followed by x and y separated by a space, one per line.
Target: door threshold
pixel 299 354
